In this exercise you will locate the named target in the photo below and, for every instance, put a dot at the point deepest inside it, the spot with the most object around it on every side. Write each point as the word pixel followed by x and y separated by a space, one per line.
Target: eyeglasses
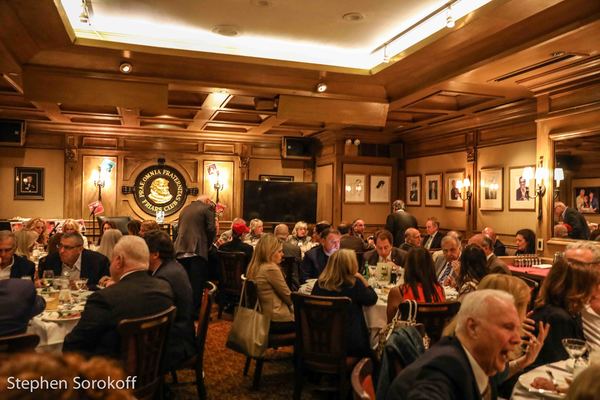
pixel 67 248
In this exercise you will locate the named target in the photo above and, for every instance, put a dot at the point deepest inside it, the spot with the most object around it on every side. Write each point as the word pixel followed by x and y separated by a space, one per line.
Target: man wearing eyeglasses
pixel 74 262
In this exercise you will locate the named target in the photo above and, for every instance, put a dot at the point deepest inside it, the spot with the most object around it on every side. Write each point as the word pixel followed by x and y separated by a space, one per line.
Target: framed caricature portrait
pixel 453 199
pixel 354 188
pixel 433 190
pixel 29 183
pixel 519 190
pixel 379 189
pixel 413 190
pixel 490 189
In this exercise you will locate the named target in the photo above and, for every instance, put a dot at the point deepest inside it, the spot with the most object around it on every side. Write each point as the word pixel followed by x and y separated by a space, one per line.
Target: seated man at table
pixel 412 238
pixel 180 346
pixel 134 294
pixel 448 264
pixel 18 304
pixel 384 251
pixel 11 265
pixel 75 262
pixel 238 230
pixel 459 367
pixel 499 248
pixel 316 258
pixel 494 264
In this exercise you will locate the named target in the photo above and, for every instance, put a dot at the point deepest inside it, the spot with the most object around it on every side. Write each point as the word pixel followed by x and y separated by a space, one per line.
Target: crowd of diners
pixel 144 272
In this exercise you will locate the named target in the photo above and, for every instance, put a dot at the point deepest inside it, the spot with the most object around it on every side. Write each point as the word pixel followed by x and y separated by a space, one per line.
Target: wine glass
pixel 81 284
pixel 576 349
pixel 47 278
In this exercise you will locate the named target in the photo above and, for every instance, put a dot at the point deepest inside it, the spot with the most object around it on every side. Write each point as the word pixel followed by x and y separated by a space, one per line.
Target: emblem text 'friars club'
pixel 160 188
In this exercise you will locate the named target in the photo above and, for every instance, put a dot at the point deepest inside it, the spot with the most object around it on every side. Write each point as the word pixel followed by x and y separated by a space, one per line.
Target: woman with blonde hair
pixel 109 240
pixel 256 231
pixel 38 225
pixel 341 278
pixel 274 294
pixel 26 241
pixel 72 226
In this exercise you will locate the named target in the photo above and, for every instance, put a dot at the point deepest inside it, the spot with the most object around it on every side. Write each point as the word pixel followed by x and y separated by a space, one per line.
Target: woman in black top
pixel 565 291
pixel 340 278
pixel 525 241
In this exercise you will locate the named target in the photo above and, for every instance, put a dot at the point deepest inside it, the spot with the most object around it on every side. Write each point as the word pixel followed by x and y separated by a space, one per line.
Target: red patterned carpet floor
pixel 223 370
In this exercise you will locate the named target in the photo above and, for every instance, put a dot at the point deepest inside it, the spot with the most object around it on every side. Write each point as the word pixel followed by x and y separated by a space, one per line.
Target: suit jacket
pixel 520 196
pixel 439 263
pixel 497 266
pixel 397 223
pixel 442 372
pixel 355 243
pixel 196 230
pixel 398 257
pixel 499 248
pixel 436 243
pixel 273 293
pixel 18 304
pixel 578 223
pixel 22 267
pixel 406 247
pixel 180 345
pixel 313 263
pixel 134 296
pixel 236 245
pixel 93 266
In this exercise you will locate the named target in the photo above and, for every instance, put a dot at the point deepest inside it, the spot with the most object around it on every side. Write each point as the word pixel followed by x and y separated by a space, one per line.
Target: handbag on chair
pixel 397 322
pixel 249 332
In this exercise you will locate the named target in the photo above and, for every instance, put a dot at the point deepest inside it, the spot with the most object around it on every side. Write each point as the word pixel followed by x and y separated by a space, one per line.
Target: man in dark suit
pixel 412 239
pixel 494 264
pixel 574 219
pixel 384 252
pixel 197 231
pixel 433 239
pixel 290 250
pixel 134 295
pixel 316 258
pixel 459 368
pixel 448 265
pixel 74 261
pixel 180 345
pixel 522 192
pixel 11 265
pixel 238 230
pixel 18 304
pixel 398 222
pixel 499 248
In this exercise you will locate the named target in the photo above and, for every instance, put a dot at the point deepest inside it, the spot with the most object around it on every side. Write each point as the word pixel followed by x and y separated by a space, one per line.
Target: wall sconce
pixel 349 142
pixel 101 176
pixel 217 179
pixel 559 175
pixel 540 175
pixel 464 192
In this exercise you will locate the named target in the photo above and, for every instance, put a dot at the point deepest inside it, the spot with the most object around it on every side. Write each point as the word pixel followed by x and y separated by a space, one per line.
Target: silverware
pixel 551 375
pixel 543 391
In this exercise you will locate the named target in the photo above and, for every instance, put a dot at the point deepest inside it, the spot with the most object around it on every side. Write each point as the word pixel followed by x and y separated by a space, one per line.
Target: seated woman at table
pixel 71 226
pixel 273 293
pixel 38 226
pixel 420 282
pixel 109 239
pixel 566 290
pixel 473 267
pixel 340 278
pixel 525 242
pixel 26 241
pixel 299 236
pixel 256 231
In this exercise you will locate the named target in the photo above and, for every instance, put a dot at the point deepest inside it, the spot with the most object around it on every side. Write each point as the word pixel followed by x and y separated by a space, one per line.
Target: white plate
pixel 53 316
pixel 527 379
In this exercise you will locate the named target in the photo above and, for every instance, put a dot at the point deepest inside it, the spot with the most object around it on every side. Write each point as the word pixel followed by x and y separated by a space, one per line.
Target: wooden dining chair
pixel 19 343
pixel 363 387
pixel 231 267
pixel 321 340
pixel 143 342
pixel 196 363
pixel 434 316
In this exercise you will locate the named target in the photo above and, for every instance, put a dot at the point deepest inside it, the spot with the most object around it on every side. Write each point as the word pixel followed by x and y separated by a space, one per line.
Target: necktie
pixel 445 272
pixel 428 243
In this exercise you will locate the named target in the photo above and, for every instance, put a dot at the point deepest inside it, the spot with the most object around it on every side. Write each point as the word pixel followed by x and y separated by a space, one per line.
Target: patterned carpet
pixel 223 371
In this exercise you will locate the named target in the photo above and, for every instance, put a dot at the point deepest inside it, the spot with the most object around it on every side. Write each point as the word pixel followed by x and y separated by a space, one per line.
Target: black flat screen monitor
pixel 280 201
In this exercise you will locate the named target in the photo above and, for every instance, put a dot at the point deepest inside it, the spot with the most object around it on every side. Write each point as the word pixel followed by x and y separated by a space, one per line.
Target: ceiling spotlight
pixel 125 67
pixel 321 87
pixel 226 30
pixel 353 17
pixel 386 57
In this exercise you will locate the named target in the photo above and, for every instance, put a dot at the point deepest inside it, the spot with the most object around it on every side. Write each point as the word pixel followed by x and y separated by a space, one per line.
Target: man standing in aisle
pixel 572 217
pixel 197 231
pixel 398 222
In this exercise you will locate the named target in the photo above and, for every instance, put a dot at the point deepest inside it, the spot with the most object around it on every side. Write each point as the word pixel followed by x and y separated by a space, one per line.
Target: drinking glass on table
pixel 47 278
pixel 576 349
pixel 81 284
